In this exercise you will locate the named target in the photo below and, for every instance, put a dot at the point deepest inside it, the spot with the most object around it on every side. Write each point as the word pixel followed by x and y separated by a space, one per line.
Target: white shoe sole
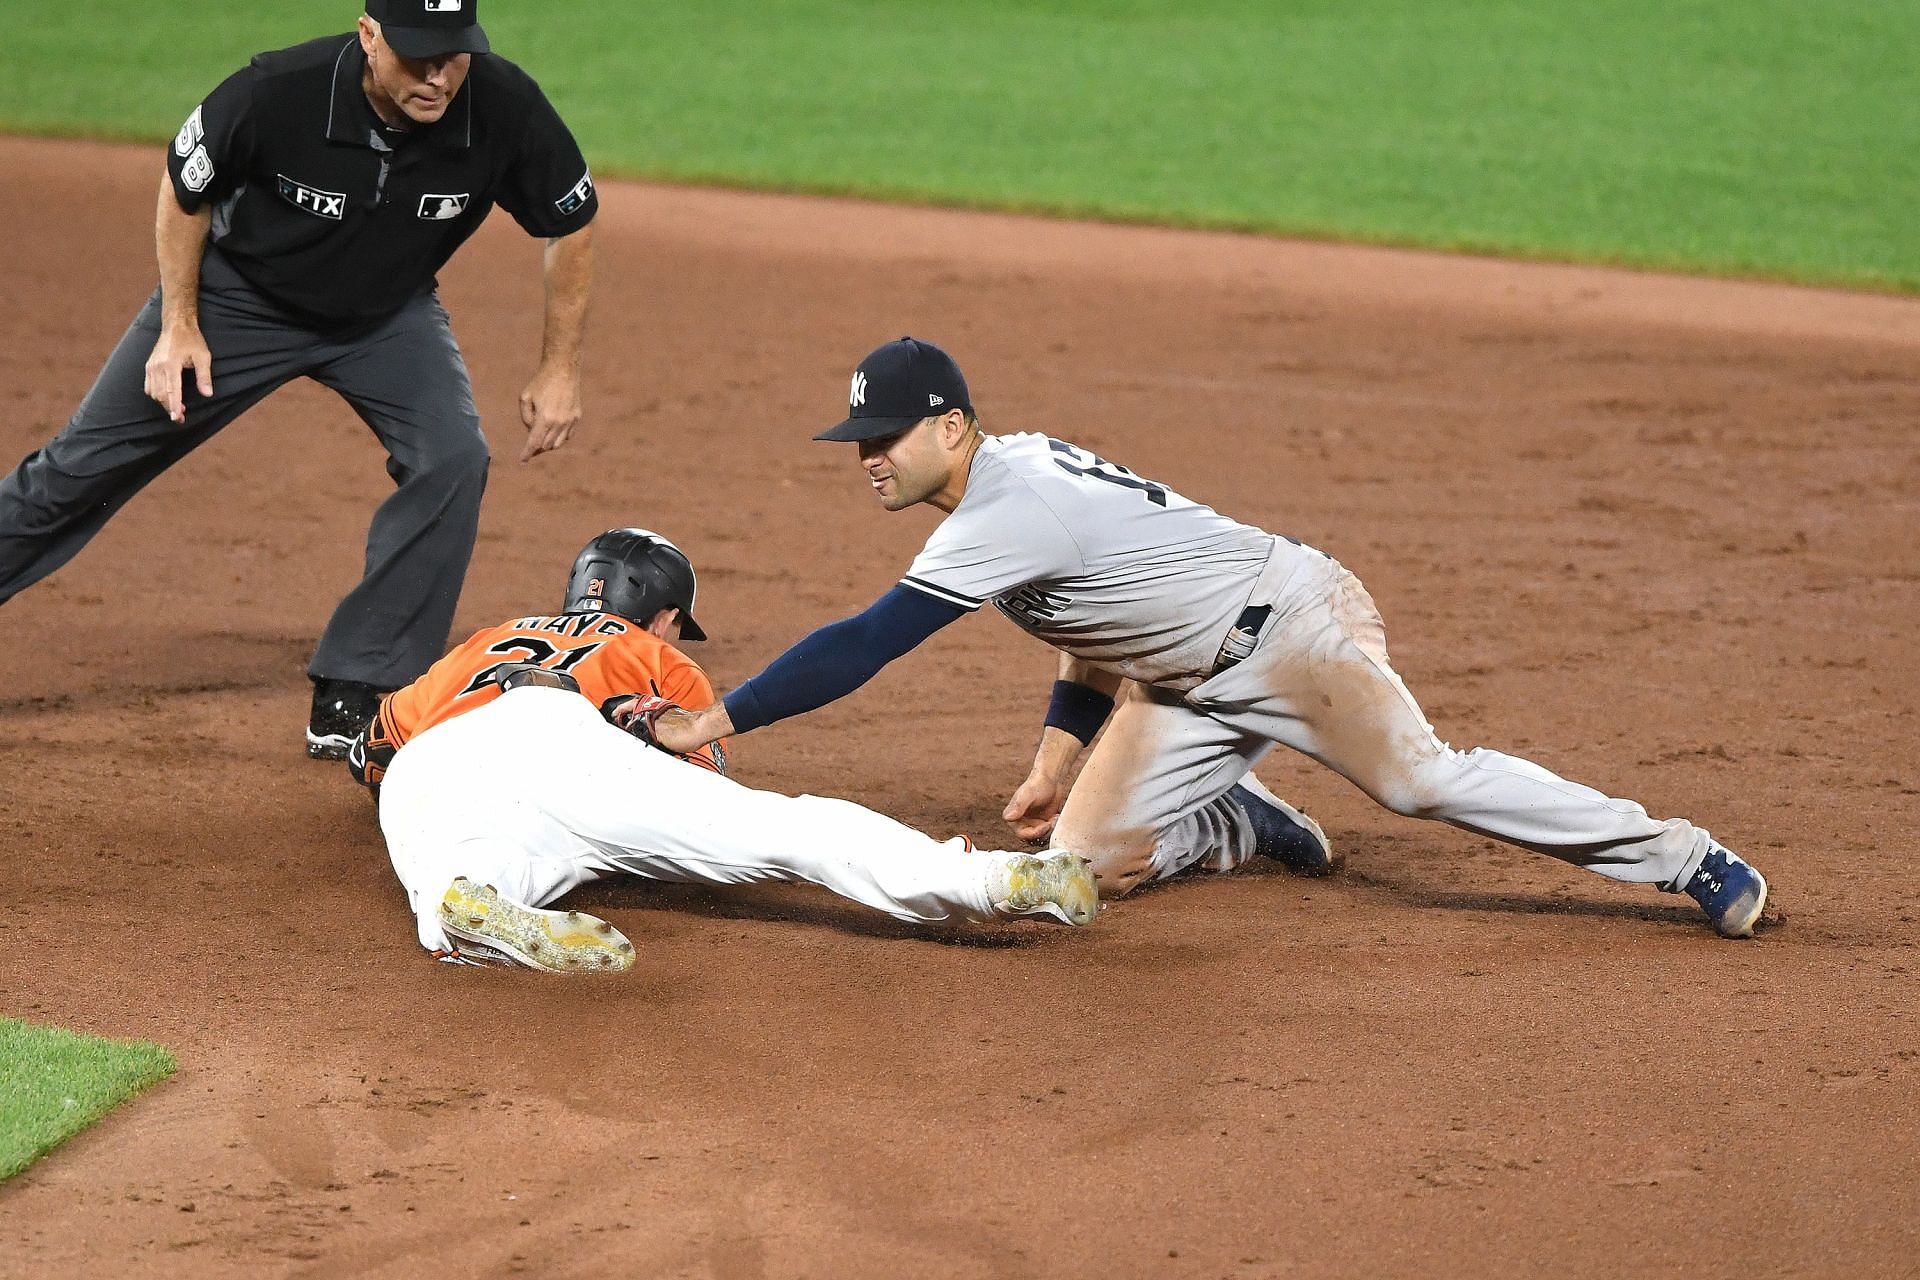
pixel 1741 926
pixel 552 941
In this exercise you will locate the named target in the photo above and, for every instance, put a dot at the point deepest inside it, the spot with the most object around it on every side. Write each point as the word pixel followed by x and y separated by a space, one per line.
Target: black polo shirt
pixel 341 220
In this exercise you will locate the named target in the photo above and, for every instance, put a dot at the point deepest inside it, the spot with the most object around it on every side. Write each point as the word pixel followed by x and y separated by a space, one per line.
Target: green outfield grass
pixel 1769 137
pixel 54 1083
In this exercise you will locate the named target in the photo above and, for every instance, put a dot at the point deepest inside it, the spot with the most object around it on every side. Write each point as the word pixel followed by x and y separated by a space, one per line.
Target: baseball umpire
pixel 1232 639
pixel 505 779
pixel 306 206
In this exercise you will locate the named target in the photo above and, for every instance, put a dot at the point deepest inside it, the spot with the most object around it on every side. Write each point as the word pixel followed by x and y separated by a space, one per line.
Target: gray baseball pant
pixel 405 378
pixel 1151 801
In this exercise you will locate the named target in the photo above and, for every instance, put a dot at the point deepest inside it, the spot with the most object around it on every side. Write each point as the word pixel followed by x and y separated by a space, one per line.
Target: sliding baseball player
pixel 502 786
pixel 1232 640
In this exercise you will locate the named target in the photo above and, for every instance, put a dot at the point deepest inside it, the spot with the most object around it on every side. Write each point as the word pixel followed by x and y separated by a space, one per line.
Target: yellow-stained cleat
pixel 1061 886
pixel 554 941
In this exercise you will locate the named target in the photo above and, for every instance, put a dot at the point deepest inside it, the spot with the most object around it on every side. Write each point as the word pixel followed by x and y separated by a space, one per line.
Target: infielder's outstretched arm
pixel 826 664
pixel 550 406
pixel 1082 698
pixel 180 241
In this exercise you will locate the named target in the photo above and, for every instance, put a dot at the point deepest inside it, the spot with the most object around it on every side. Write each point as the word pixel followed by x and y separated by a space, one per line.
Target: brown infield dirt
pixel 1659 534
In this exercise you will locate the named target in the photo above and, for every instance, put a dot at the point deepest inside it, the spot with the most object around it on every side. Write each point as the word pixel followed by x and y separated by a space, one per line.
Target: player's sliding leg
pixel 478 865
pixel 674 821
pixel 536 794
pixel 1167 789
pixel 1325 688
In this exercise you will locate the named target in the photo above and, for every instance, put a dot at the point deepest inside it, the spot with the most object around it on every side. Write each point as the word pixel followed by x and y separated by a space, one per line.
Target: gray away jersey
pixel 1096 561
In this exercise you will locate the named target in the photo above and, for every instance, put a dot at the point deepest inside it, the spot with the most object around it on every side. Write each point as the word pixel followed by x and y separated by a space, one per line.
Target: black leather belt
pixel 1243 637
pixel 522 675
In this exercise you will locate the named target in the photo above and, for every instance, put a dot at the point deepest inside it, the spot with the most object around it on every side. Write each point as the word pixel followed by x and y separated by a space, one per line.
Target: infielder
pixel 502 785
pixel 1233 639
pixel 306 206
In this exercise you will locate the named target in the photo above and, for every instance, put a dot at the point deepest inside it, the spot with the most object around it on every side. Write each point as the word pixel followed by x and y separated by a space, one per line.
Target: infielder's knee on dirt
pixel 1126 854
pixel 1414 786
pixel 1120 867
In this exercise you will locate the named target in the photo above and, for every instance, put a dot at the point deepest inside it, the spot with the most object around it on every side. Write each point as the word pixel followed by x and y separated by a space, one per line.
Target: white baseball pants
pixel 536 795
pixel 1150 802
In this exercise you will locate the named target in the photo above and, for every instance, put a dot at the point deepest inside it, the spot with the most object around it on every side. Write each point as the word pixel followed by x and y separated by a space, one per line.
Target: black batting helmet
pixel 635 573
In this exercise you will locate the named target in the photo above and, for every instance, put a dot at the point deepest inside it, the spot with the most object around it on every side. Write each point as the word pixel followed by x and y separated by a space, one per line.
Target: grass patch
pixel 55 1083
pixel 1766 137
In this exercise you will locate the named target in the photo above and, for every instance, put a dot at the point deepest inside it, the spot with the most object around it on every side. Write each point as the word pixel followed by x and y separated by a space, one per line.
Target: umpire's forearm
pixel 569 280
pixel 180 242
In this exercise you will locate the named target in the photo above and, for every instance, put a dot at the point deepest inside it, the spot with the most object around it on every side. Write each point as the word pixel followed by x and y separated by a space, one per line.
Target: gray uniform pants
pixel 1150 804
pixel 402 375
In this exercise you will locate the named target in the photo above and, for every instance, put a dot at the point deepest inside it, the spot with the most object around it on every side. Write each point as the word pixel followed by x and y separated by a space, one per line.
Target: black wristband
pixel 1078 709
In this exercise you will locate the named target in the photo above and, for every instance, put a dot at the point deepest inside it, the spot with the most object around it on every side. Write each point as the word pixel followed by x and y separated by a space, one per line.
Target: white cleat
pixel 553 941
pixel 1060 885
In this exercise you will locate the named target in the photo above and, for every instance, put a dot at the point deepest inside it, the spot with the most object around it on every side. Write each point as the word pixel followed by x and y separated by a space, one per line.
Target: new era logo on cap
pixel 895 387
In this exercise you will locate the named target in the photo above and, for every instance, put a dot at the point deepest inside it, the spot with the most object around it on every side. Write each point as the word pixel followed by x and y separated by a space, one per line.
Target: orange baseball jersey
pixel 610 657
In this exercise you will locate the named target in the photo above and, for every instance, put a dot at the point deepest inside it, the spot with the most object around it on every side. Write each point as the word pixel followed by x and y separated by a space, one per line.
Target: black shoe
pixel 341 709
pixel 1283 833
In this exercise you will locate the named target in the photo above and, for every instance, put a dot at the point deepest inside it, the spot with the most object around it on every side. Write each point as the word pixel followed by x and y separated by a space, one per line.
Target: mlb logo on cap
pixel 895 387
pixel 430 28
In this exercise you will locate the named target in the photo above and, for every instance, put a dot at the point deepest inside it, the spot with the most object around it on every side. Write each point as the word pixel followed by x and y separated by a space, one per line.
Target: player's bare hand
pixel 678 730
pixel 549 409
pixel 179 349
pixel 1035 806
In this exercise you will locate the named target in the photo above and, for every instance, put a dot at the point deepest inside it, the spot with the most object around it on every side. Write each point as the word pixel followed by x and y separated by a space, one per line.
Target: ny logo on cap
pixel 857 393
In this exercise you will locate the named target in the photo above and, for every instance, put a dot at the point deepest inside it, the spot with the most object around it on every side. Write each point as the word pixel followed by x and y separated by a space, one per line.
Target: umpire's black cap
pixel 896 386
pixel 430 28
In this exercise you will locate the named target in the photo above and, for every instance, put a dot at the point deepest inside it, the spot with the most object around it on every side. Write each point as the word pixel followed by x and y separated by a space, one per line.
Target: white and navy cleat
pixel 1283 833
pixel 1060 885
pixel 553 941
pixel 1729 890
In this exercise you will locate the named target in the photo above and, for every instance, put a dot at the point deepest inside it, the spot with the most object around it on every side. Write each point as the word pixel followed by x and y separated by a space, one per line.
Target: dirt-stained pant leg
pixel 1149 802
pixel 1322 684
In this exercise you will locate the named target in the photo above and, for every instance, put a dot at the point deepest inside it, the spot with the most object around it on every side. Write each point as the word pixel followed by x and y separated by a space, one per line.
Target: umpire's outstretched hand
pixel 550 408
pixel 179 349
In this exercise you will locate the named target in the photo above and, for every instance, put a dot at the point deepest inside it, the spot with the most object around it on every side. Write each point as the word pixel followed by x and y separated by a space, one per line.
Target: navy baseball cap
pixel 430 28
pixel 896 386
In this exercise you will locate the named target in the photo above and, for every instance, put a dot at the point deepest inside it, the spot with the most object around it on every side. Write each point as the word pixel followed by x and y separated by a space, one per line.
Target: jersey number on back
pixel 530 649
pixel 1076 461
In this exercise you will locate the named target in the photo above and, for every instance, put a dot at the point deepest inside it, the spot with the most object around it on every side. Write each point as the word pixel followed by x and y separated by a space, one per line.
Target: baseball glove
pixel 638 713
